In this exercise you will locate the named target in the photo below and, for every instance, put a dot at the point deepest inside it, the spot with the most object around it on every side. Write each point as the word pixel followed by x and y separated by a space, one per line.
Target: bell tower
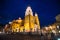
pixel 29 21
pixel 37 21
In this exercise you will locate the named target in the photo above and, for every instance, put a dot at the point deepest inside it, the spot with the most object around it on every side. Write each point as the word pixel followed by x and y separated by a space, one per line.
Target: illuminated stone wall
pixel 29 24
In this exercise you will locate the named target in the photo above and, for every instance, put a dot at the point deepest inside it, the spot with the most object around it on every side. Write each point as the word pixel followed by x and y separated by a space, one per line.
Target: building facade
pixel 30 23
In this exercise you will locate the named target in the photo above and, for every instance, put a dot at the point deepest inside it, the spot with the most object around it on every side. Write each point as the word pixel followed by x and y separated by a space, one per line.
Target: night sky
pixel 46 9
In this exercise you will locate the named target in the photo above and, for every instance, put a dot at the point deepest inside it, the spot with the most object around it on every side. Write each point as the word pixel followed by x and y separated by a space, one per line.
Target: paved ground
pixel 26 37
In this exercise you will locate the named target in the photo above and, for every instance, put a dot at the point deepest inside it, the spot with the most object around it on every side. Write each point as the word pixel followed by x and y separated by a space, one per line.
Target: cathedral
pixel 30 23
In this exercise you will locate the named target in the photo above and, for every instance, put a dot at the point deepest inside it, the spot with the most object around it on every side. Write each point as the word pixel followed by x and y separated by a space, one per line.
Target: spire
pixel 19 18
pixel 37 20
pixel 28 11
pixel 36 14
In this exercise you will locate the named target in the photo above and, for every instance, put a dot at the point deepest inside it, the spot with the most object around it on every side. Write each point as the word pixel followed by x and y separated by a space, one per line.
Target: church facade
pixel 30 23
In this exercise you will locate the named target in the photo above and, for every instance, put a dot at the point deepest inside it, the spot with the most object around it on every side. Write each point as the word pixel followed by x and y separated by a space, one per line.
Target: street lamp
pixel 50 27
pixel 46 28
pixel 59 31
pixel 58 27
